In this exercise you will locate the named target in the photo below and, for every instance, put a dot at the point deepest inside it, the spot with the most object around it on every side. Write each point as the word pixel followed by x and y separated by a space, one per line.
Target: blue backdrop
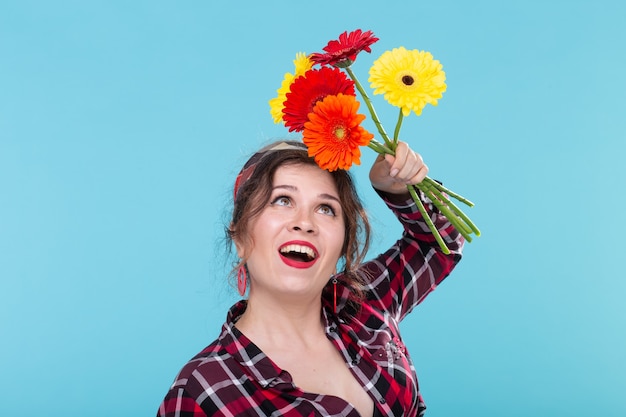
pixel 123 123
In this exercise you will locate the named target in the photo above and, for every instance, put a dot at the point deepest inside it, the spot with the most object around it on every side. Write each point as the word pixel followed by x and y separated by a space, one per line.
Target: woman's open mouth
pixel 298 255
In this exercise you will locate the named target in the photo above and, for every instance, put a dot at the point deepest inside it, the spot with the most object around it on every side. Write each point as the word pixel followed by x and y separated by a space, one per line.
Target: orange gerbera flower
pixel 334 133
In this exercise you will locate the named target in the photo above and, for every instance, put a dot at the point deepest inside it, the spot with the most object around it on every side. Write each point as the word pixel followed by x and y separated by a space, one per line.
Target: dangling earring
pixel 335 295
pixel 242 279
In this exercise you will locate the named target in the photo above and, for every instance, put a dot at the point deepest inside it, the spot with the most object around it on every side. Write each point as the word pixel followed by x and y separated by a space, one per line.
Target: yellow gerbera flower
pixel 408 79
pixel 302 64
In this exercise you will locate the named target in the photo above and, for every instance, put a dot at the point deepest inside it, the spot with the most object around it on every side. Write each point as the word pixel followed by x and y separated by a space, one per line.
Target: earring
pixel 335 295
pixel 242 280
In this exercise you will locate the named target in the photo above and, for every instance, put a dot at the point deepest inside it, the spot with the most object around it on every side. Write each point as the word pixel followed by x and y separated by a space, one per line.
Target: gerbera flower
pixel 408 79
pixel 302 64
pixel 342 53
pixel 322 104
pixel 334 133
pixel 307 90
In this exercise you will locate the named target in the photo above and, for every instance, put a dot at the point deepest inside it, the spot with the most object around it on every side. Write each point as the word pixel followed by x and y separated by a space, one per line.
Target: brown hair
pixel 253 194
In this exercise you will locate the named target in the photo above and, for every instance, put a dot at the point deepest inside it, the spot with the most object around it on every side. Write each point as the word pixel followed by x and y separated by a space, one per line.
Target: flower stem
pixel 451 193
pixel 454 220
pixel 396 132
pixel 433 190
pixel 380 148
pixel 370 107
pixel 428 220
pixel 457 211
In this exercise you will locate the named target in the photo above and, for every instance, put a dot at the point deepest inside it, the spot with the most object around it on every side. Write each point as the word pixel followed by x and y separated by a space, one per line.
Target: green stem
pixel 451 193
pixel 370 107
pixel 379 147
pixel 428 220
pixel 439 195
pixel 454 220
pixel 436 192
pixel 396 132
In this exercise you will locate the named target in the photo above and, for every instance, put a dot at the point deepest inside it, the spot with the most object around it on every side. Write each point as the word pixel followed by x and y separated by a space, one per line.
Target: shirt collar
pixel 250 357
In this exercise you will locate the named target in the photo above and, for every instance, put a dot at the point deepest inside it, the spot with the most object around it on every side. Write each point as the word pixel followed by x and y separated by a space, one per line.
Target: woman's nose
pixel 303 222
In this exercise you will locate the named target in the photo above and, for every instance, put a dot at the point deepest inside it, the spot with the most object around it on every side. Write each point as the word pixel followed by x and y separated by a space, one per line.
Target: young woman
pixel 318 334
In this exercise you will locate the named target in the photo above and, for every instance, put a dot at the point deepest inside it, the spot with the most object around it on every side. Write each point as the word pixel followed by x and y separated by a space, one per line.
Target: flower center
pixel 408 80
pixel 339 132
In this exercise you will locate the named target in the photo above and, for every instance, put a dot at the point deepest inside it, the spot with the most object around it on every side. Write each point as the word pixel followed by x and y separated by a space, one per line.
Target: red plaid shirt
pixel 233 377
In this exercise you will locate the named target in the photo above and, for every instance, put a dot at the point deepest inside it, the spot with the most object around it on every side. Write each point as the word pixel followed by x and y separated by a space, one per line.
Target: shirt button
pixel 355 362
pixel 332 329
pixel 382 401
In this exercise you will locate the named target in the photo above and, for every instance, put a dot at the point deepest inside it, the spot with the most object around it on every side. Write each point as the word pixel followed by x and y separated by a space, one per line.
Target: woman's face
pixel 298 237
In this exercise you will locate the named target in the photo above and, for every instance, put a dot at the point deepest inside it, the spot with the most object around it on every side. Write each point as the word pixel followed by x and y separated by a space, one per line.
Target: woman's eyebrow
pixel 294 188
pixel 329 197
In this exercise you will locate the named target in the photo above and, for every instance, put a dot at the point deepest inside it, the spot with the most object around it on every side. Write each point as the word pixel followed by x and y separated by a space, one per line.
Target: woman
pixel 311 341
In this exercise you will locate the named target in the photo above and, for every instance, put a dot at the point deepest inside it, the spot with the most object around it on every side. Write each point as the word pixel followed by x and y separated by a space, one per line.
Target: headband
pixel 251 164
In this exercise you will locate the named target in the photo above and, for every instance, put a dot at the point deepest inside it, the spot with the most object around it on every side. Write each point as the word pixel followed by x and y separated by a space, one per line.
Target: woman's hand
pixel 393 174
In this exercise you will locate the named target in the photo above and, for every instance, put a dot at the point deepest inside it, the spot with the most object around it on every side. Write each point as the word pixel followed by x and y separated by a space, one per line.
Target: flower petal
pixel 301 64
pixel 343 52
pixel 310 88
pixel 408 79
pixel 333 133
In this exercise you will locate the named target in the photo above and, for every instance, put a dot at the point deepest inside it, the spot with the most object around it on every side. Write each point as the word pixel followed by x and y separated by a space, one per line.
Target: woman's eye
pixel 328 210
pixel 281 201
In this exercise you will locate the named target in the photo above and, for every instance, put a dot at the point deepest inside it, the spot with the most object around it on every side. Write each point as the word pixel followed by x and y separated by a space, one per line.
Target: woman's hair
pixel 253 194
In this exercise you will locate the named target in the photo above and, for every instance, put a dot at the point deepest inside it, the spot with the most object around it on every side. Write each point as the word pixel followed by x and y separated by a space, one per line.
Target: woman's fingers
pixel 407 166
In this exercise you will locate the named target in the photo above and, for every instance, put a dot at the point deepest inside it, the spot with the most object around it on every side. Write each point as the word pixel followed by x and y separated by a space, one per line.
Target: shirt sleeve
pixel 400 278
pixel 178 403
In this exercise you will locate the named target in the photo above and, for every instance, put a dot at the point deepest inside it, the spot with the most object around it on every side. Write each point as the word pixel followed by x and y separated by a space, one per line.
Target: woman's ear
pixel 241 250
pixel 239 245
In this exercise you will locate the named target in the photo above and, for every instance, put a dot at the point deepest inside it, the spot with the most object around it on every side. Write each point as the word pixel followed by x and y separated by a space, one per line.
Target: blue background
pixel 123 124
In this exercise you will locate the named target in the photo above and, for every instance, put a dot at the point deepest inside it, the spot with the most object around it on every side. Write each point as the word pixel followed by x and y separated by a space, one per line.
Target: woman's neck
pixel 277 322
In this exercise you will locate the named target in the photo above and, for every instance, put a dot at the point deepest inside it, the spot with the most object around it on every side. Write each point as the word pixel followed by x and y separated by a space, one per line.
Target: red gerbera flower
pixel 342 53
pixel 310 88
pixel 334 133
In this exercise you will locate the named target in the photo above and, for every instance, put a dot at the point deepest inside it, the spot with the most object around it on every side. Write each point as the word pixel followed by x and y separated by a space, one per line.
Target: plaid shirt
pixel 233 377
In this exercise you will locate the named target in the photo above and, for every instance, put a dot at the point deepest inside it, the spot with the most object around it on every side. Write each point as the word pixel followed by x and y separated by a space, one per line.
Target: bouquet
pixel 320 101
